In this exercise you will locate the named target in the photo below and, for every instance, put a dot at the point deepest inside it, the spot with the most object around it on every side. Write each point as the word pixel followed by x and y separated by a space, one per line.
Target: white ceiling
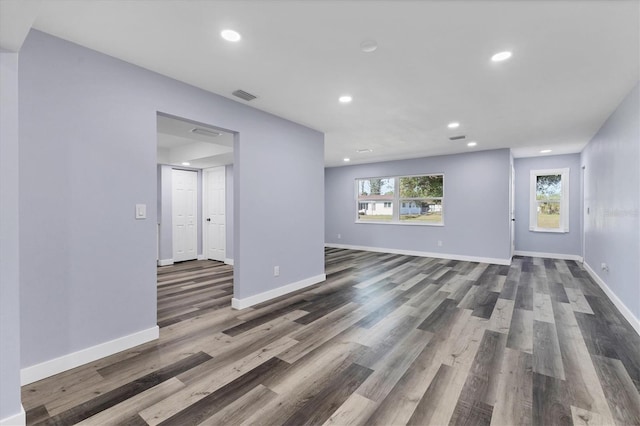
pixel 177 143
pixel 573 62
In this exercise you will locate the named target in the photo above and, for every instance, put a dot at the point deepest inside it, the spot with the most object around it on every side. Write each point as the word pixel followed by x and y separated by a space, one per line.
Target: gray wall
pixel 548 242
pixel 476 206
pixel 9 263
pixel 612 196
pixel 88 155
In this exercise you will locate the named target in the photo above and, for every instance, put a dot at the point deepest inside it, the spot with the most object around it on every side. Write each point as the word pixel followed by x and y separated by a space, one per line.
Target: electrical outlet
pixel 276 271
pixel 604 267
pixel 339 236
pixel 439 243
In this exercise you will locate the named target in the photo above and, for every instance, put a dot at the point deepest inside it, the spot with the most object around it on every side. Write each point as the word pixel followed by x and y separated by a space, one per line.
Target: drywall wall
pixel 612 202
pixel 9 243
pixel 476 207
pixel 88 155
pixel 568 244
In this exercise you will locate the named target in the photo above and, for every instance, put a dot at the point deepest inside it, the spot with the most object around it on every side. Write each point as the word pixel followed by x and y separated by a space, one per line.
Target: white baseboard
pixel 19 419
pixel 496 261
pixel 66 362
pixel 276 292
pixel 549 255
pixel 228 261
pixel 626 312
pixel 202 257
pixel 165 262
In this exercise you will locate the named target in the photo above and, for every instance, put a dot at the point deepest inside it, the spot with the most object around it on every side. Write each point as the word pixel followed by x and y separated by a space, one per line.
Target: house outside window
pixel 549 200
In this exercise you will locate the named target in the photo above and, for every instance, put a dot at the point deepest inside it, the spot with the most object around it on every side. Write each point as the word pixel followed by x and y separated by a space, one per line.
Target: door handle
pixel 208 219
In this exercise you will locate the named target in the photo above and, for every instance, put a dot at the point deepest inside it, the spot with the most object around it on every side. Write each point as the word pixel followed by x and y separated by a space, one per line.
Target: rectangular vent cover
pixel 457 138
pixel 244 95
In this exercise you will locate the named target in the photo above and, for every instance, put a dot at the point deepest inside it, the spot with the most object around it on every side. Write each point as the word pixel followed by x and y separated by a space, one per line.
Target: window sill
pixel 398 223
pixel 549 230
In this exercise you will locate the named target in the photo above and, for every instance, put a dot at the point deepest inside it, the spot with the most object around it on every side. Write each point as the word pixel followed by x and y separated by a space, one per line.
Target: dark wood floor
pixel 386 340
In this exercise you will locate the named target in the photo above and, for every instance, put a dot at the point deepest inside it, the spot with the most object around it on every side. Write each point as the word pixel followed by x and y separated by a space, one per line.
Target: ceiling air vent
pixel 244 95
pixel 456 138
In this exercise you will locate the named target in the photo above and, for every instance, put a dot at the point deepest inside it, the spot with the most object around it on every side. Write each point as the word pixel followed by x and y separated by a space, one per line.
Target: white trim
pixel 201 257
pixel 276 292
pixel 67 362
pixel 19 419
pixel 465 258
pixel 560 256
pixel 228 261
pixel 165 262
pixel 626 312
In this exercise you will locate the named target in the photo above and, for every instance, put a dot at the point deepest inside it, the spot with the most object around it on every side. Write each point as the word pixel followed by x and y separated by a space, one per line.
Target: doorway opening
pixel 195 178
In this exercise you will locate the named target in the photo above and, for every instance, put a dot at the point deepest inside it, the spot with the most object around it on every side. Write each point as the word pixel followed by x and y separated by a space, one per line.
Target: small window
pixel 549 201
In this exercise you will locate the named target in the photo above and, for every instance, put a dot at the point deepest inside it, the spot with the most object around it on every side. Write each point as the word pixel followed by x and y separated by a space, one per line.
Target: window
pixel 549 201
pixel 377 195
pixel 421 198
pixel 401 199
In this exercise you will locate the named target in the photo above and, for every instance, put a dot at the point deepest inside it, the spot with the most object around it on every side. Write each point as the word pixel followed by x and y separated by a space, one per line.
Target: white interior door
pixel 214 213
pixel 184 208
pixel 512 210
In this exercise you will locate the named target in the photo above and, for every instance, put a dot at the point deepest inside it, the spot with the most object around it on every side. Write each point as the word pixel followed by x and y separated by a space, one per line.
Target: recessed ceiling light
pixel 453 125
pixel 368 46
pixel 362 151
pixel 501 56
pixel 472 144
pixel 345 99
pixel 346 159
pixel 545 151
pixel 186 163
pixel 230 35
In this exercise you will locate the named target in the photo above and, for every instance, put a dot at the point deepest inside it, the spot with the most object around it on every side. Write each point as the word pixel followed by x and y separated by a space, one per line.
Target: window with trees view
pixel 549 201
pixel 401 199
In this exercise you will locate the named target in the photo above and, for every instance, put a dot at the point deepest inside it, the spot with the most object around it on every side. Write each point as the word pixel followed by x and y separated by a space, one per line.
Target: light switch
pixel 141 211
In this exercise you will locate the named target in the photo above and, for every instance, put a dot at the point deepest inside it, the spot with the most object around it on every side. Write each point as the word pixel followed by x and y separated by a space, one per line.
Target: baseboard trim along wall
pixel 276 292
pixel 626 312
pixel 549 255
pixel 19 419
pixel 228 261
pixel 165 262
pixel 448 256
pixel 66 362
pixel 202 257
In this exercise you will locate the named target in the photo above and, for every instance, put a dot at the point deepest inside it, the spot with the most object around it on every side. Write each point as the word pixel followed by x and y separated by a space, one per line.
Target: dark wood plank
pixel 319 408
pixel 551 404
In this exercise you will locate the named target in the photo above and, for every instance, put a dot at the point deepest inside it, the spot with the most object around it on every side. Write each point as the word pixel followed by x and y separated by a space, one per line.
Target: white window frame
pixel 564 200
pixel 395 217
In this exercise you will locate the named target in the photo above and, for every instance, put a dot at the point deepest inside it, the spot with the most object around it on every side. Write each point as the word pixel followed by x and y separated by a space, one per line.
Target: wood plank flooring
pixel 385 340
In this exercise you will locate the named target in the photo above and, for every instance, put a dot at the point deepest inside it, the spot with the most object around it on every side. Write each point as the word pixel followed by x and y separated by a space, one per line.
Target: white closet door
pixel 184 207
